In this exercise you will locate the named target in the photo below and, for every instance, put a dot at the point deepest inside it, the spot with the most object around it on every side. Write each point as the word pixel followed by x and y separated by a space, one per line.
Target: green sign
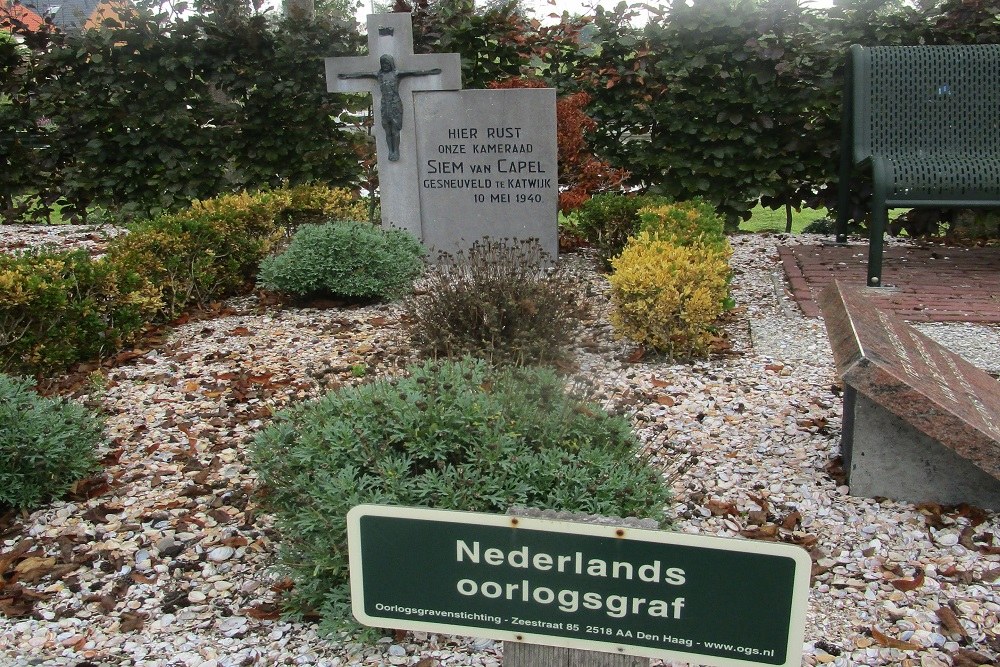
pixel 706 600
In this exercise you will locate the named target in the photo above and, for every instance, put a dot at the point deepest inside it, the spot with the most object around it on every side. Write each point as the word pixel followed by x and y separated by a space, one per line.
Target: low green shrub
pixel 685 223
pixel 821 226
pixel 349 260
pixel 497 303
pixel 45 444
pixel 452 435
pixel 57 308
pixel 668 297
pixel 608 220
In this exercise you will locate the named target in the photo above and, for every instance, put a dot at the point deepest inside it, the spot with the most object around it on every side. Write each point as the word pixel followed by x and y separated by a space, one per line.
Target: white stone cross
pixel 391 81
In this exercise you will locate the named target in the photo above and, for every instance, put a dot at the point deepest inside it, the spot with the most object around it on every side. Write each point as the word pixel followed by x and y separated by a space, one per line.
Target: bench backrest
pixel 925 100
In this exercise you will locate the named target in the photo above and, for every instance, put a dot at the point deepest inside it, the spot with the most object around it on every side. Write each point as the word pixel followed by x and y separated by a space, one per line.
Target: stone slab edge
pixel 931 388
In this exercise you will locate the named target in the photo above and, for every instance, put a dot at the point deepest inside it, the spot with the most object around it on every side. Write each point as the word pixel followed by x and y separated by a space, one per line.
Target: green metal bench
pixel 926 119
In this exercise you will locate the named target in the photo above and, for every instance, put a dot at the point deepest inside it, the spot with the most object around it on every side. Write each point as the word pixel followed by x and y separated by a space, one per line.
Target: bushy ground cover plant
pixel 608 220
pixel 45 444
pixel 497 302
pixel 57 308
pixel 452 435
pixel 348 260
pixel 670 284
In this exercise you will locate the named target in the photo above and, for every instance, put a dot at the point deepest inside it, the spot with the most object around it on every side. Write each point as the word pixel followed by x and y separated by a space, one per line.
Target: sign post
pixel 622 590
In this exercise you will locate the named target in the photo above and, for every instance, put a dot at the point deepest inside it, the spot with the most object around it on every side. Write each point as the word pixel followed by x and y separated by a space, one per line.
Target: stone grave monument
pixel 920 422
pixel 455 165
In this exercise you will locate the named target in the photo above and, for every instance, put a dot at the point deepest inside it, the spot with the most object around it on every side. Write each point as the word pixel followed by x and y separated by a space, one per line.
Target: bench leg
pixel 843 201
pixel 841 222
pixel 879 223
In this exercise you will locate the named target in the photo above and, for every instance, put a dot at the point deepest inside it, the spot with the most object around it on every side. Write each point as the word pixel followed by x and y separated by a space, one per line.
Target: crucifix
pixel 391 72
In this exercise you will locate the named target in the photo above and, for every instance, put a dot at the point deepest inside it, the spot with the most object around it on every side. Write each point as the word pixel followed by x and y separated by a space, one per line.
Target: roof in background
pixel 18 12
pixel 65 14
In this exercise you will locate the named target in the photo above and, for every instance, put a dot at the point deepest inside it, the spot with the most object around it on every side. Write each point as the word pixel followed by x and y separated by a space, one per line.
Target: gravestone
pixel 920 422
pixel 455 166
pixel 488 166
pixel 392 35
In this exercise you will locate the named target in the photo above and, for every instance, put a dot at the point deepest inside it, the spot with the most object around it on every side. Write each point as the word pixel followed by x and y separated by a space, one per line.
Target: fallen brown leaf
pixel 131 621
pixel 99 514
pixel 818 570
pixel 283 585
pixel 16 605
pixel 20 549
pixel 721 508
pixel 807 540
pixel 892 642
pixel 265 611
pixel 965 657
pixel 950 622
pixel 909 584
pixel 965 538
pixel 34 568
pixel 768 532
pixel 638 354
pixel 761 502
pixel 976 515
pixel 792 520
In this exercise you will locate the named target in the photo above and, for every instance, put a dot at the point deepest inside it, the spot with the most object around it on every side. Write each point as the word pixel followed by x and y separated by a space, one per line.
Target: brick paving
pixel 922 284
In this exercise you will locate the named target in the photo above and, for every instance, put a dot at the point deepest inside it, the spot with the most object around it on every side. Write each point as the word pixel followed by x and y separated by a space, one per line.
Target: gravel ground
pixel 167 564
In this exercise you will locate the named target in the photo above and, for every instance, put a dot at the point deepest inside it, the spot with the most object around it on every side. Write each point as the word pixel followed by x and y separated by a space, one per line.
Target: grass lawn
pixel 766 220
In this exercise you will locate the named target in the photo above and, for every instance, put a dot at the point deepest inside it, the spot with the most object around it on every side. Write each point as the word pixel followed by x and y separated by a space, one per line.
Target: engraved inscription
pixel 489 160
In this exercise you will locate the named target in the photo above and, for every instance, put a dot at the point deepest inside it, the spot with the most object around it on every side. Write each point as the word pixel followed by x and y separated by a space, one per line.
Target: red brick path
pixel 929 284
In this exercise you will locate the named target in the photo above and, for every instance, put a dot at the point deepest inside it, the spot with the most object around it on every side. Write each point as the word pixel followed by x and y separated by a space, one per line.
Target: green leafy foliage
pixel 685 223
pixel 45 444
pixel 349 260
pixel 452 435
pixel 497 302
pixel 493 40
pixel 143 116
pixel 57 308
pixel 734 101
pixel 608 220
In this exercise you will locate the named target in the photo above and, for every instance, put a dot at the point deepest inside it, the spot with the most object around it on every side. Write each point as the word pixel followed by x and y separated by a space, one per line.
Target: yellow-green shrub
pixel 57 308
pixel 60 308
pixel 214 248
pixel 684 223
pixel 318 204
pixel 668 296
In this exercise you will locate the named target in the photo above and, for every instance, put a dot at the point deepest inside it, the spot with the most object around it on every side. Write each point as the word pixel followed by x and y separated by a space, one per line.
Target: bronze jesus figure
pixel 392 104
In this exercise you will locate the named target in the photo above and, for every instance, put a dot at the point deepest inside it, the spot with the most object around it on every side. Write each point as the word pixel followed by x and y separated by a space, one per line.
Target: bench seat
pixel 926 121
pixel 933 179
